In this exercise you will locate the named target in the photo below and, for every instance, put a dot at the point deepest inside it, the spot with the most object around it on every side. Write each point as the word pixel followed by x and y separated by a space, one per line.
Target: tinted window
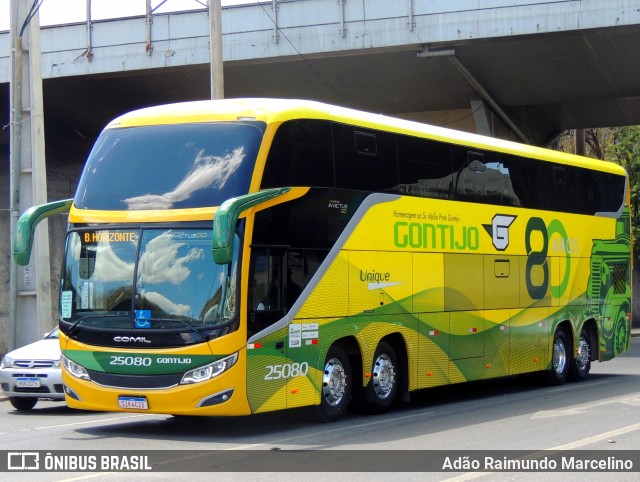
pixel 300 155
pixel 321 153
pixel 169 166
pixel 526 177
pixel 277 277
pixel 557 187
pixel 480 176
pixel 564 184
pixel 364 159
pixel 424 167
pixel 599 192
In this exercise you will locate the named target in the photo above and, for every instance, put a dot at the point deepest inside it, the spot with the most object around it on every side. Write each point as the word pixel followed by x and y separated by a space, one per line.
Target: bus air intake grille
pixel 135 381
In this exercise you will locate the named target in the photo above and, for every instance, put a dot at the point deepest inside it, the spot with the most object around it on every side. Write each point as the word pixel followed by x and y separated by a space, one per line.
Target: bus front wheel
pixel 381 390
pixel 336 385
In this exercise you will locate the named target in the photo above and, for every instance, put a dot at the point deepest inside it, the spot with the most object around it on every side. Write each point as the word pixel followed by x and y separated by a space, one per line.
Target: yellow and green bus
pixel 239 256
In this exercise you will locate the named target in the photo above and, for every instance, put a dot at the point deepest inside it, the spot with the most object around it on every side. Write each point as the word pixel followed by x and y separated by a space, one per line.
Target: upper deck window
pixel 169 166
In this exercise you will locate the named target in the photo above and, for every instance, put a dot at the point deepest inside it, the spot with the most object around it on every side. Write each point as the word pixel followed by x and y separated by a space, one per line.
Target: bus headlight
pixel 207 372
pixel 74 369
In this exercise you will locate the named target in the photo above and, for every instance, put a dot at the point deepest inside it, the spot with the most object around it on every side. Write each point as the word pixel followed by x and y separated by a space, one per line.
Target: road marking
pixel 569 446
pixel 632 400
pixel 82 423
pixel 88 421
pixel 598 438
pixel 339 429
pixel 275 442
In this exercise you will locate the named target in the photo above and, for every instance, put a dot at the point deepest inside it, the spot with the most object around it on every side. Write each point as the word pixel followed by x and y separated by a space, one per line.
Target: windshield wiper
pixel 94 315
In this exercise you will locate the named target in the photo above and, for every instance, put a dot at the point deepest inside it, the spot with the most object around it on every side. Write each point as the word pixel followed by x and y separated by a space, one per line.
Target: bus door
pixel 273 378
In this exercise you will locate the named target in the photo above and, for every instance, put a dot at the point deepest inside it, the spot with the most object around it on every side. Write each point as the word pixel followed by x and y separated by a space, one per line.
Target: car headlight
pixel 56 364
pixel 74 369
pixel 7 362
pixel 207 372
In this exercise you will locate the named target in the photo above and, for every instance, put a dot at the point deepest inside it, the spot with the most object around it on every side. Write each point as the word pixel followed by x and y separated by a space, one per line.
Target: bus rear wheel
pixel 581 364
pixel 560 359
pixel 381 391
pixel 335 393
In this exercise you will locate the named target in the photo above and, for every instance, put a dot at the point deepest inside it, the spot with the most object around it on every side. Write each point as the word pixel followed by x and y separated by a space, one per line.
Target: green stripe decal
pixel 138 363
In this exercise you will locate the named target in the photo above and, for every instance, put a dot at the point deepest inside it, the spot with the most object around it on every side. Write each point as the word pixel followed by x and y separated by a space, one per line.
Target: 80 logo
pixel 538 259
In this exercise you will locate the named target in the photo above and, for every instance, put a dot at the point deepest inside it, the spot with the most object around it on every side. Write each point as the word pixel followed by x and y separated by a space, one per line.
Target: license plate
pixel 28 382
pixel 138 403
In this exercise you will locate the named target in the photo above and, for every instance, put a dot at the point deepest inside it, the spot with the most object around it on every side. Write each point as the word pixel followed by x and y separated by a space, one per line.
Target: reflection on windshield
pixel 207 172
pixel 176 279
pixel 174 166
pixel 117 260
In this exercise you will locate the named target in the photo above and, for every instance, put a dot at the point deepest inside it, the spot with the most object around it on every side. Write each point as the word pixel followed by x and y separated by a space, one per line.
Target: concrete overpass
pixel 524 69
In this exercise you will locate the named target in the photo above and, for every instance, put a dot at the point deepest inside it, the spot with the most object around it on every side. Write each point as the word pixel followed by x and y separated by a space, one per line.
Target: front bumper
pixel 48 385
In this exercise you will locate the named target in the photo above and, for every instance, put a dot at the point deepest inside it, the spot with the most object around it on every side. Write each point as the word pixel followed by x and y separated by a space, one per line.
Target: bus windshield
pixel 169 166
pixel 147 279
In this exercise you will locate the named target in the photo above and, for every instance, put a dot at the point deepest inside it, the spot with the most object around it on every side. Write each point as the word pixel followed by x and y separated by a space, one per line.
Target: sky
pixel 55 12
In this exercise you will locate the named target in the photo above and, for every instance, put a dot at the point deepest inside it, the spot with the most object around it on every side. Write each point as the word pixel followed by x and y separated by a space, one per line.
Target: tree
pixel 625 151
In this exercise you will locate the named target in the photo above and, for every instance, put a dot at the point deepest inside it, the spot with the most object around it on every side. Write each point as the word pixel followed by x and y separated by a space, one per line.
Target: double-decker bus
pixel 240 256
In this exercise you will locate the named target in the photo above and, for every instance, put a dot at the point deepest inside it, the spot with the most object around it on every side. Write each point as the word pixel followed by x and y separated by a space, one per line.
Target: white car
pixel 33 372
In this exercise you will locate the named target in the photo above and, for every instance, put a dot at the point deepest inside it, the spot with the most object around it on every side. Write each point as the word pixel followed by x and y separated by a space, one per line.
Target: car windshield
pixel 169 166
pixel 146 279
pixel 52 334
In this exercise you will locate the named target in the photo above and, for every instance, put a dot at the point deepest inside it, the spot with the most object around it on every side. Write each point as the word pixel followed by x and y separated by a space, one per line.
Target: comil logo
pixel 131 339
pixel 499 230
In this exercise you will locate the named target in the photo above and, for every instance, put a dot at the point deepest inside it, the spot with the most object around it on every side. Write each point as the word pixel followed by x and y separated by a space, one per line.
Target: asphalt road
pixel 514 413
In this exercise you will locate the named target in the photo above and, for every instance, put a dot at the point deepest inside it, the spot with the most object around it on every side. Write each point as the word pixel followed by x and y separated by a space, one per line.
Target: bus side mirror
pixel 226 217
pixel 23 240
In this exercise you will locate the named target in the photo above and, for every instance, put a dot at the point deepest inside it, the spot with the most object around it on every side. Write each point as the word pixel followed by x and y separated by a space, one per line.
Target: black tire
pixel 381 391
pixel 581 363
pixel 335 393
pixel 23 403
pixel 560 359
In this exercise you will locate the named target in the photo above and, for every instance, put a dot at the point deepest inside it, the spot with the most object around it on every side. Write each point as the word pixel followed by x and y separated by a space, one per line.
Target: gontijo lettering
pixel 435 236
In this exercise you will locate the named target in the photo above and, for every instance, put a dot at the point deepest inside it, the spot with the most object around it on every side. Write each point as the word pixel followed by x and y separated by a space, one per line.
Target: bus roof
pixel 280 110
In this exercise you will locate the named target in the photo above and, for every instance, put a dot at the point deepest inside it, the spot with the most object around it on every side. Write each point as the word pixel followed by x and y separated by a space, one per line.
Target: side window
pixel 424 167
pixel 599 192
pixel 527 182
pixel 277 277
pixel 564 184
pixel 480 176
pixel 364 159
pixel 265 289
pixel 266 286
pixel 300 155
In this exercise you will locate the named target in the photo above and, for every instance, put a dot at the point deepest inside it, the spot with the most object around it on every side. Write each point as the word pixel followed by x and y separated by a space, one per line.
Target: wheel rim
pixel 334 382
pixel 384 376
pixel 584 354
pixel 559 356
